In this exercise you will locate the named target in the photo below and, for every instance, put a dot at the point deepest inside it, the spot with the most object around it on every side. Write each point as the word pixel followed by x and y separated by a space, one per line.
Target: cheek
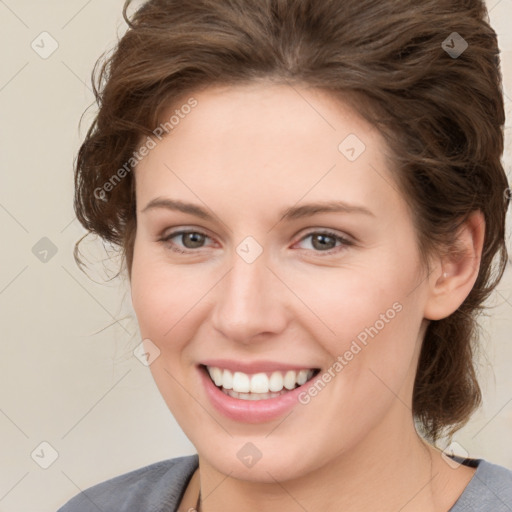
pixel 166 310
pixel 368 321
pixel 371 364
pixel 167 306
pixel 351 303
pixel 160 297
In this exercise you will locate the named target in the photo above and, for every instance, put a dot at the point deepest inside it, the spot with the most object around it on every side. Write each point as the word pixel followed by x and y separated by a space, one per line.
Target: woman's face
pixel 299 253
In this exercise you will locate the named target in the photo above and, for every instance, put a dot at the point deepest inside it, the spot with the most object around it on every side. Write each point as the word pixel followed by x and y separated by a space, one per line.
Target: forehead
pixel 272 113
pixel 282 141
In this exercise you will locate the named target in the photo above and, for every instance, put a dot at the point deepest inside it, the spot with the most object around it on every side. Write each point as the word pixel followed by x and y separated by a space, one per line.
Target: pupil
pixel 195 238
pixel 322 244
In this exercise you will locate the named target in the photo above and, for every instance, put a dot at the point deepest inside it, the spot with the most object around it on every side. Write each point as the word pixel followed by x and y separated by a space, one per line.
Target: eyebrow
pixel 291 213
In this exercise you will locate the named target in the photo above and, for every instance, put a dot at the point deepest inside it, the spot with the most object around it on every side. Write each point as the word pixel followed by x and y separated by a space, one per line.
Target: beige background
pixel 68 374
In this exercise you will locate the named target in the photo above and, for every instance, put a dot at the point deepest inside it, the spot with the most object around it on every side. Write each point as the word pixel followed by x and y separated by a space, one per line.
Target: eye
pixel 190 239
pixel 321 241
pixel 325 242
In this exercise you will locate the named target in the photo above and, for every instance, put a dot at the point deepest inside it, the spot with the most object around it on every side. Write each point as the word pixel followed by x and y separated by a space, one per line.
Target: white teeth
pixel 276 382
pixel 302 377
pixel 290 379
pixel 241 382
pixel 216 374
pixel 227 379
pixel 259 383
pixel 245 386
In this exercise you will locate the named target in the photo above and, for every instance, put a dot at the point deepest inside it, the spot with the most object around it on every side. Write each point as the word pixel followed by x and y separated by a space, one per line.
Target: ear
pixel 454 273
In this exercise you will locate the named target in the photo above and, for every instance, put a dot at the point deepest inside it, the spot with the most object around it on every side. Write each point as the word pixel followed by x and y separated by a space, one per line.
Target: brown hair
pixel 442 116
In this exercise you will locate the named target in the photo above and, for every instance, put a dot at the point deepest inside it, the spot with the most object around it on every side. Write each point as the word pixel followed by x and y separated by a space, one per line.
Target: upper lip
pixel 254 366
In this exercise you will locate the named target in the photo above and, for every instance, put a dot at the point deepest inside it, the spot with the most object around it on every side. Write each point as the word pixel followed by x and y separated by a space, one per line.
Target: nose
pixel 250 302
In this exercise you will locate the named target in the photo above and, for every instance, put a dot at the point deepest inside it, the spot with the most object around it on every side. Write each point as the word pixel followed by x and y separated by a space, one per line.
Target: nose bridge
pixel 248 299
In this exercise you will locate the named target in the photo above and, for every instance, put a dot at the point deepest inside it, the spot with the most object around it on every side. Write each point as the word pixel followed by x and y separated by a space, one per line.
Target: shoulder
pixel 152 488
pixel 489 489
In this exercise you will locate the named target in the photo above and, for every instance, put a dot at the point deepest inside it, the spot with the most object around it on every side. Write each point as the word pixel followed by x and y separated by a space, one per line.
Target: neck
pixel 393 469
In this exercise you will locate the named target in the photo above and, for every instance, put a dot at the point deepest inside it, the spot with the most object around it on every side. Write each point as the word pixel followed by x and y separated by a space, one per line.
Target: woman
pixel 311 206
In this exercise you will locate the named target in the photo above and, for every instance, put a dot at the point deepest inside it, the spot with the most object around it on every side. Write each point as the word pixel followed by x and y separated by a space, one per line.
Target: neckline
pixel 472 463
pixel 479 464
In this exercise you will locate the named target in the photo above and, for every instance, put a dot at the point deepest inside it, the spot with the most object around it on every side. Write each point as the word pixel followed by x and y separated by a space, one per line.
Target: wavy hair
pixel 395 62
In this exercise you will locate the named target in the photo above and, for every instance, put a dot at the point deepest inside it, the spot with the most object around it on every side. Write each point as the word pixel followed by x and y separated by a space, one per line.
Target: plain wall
pixel 68 374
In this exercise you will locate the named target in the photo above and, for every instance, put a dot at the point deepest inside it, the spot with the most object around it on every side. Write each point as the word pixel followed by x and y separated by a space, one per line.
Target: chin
pixel 243 460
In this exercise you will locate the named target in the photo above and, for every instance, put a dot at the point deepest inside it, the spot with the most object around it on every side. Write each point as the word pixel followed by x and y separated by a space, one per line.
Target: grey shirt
pixel 160 487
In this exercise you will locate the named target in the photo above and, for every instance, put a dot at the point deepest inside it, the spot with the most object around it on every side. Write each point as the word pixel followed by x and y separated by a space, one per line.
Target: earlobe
pixel 456 272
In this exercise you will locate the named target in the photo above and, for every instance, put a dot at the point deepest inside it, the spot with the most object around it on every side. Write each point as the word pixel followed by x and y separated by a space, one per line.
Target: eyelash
pixel 344 241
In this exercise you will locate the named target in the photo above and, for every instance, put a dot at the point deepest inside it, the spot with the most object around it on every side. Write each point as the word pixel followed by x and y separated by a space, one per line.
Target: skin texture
pixel 245 154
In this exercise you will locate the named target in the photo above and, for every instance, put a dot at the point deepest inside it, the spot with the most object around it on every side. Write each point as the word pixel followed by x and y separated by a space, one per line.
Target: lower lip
pixel 250 411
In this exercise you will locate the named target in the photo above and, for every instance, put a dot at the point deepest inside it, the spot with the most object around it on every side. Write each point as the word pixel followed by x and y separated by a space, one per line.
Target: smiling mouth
pixel 258 386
